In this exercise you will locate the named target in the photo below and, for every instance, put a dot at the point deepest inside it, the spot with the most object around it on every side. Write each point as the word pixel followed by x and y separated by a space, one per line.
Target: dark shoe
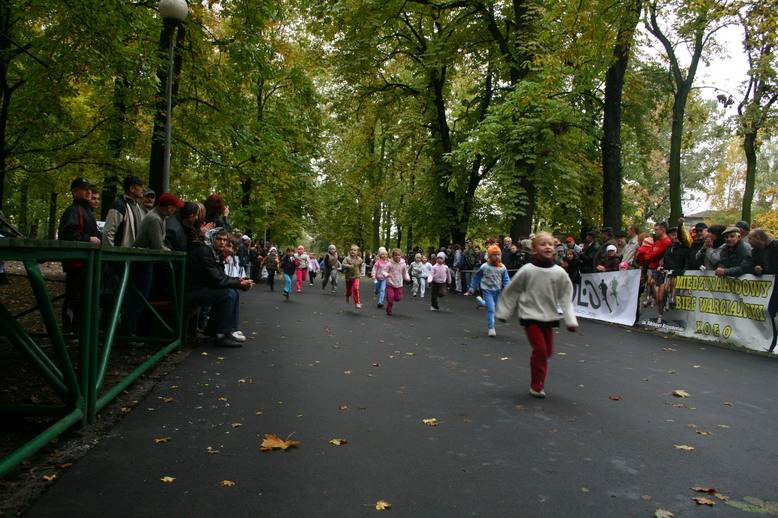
pixel 228 341
pixel 380 305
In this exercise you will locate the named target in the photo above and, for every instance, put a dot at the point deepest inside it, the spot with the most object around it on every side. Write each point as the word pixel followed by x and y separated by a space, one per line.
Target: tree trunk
pixel 521 226
pixel 611 126
pixel 157 156
pixel 52 233
pixel 749 146
pixel 676 142
pixel 115 144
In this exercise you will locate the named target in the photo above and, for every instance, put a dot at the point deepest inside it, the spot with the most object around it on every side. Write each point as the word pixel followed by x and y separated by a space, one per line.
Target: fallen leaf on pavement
pixel 274 442
pixel 338 442
pixel 504 358
pixel 702 432
pixel 382 505
pixel 343 407
pixel 722 425
pixel 721 497
pixel 221 398
pixel 162 440
pixel 728 403
pixel 684 447
pixel 167 480
pixel 700 489
pixel 432 421
pixel 227 483
pixel 258 412
pixel 203 354
pixel 410 354
pixel 561 354
pixel 615 397
pixel 168 399
pixel 66 465
pixel 701 500
pixel 49 478
pixel 646 498
pixel 680 393
pixel 376 364
pixel 669 349
pixel 663 513
pixel 346 372
pixel 211 451
pixel 236 425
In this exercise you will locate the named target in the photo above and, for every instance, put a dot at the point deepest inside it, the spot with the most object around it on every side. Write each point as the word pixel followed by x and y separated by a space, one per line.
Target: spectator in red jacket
pixel 653 250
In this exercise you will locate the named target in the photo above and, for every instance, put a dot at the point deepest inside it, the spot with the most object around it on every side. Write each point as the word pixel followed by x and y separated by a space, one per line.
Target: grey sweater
pixel 151 233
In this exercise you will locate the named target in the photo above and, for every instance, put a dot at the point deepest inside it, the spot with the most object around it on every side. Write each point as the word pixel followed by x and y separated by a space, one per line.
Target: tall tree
pixel 611 121
pixel 758 105
pixel 694 26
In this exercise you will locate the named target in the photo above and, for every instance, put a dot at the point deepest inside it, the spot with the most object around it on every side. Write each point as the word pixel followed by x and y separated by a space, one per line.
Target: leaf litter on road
pixel 431 421
pixel 382 505
pixel 273 442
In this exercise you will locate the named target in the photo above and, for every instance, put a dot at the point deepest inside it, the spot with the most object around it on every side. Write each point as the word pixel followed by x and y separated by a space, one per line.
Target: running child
pixel 416 271
pixel 491 278
pixel 439 278
pixel 426 271
pixel 271 264
pixel 330 264
pixel 301 261
pixel 352 268
pixel 397 275
pixel 542 295
pixel 313 267
pixel 380 268
pixel 289 266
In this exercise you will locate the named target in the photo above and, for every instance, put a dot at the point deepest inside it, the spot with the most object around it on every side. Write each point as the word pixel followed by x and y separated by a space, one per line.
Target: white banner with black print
pixel 701 305
pixel 608 296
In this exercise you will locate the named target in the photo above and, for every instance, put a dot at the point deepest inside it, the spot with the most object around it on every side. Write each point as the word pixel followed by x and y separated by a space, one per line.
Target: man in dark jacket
pixel 208 285
pixel 764 251
pixel 77 224
pixel 676 255
pixel 698 233
pixel 178 228
pixel 735 258
pixel 589 253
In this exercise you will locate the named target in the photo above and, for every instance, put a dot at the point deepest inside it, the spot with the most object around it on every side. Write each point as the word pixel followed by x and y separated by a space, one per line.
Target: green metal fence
pixel 79 380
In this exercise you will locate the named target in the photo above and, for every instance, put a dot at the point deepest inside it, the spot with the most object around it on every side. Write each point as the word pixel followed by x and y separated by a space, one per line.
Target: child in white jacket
pixel 541 294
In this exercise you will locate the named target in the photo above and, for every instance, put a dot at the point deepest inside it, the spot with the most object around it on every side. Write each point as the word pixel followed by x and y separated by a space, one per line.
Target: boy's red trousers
pixel 352 290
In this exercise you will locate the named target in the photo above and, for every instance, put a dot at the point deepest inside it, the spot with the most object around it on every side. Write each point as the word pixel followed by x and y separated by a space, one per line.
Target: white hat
pixel 441 255
pixel 611 248
pixel 245 238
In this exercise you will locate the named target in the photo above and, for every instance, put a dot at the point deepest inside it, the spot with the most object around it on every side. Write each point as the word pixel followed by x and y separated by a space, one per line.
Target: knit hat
pixel 611 248
pixel 332 249
pixel 273 250
pixel 245 238
pixel 79 183
pixel 494 249
pixel 131 180
pixel 167 199
pixel 441 255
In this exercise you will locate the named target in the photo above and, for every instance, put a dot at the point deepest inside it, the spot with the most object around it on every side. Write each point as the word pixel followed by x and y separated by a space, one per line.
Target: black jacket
pixel 176 234
pixel 766 257
pixel 692 262
pixel 205 269
pixel 676 258
pixel 736 261
pixel 78 223
pixel 288 265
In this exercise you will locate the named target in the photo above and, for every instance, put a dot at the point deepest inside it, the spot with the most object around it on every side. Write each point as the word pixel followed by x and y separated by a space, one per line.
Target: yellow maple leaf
pixel 338 442
pixel 432 421
pixel 663 513
pixel 167 480
pixel 49 478
pixel 162 440
pixel 227 483
pixel 382 505
pixel 680 393
pixel 274 442
pixel 701 500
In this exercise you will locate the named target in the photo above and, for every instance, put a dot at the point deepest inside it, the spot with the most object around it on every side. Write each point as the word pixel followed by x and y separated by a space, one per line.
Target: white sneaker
pixel 238 336
pixel 492 332
pixel 432 308
pixel 480 300
pixel 359 306
pixel 539 395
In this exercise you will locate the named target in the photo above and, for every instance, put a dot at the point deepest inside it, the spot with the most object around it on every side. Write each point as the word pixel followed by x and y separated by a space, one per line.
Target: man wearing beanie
pixel 76 224
pixel 124 217
pixel 151 233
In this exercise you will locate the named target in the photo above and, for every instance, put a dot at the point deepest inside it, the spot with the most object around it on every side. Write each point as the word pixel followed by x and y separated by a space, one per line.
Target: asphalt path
pixel 314 368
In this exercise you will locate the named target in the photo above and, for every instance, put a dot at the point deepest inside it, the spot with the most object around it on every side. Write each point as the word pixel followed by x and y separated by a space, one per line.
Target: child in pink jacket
pixel 396 276
pixel 380 269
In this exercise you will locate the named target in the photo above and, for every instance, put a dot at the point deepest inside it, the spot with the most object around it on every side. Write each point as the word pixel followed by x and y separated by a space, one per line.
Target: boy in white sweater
pixel 541 294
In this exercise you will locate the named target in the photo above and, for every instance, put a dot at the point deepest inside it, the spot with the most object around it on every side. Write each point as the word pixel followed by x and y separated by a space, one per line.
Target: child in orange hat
pixel 490 279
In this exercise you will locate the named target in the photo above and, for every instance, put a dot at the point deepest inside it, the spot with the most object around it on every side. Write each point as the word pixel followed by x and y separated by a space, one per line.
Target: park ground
pixel 611 439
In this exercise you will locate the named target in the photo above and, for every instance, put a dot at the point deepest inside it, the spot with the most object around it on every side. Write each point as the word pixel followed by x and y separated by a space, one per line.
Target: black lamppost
pixel 173 12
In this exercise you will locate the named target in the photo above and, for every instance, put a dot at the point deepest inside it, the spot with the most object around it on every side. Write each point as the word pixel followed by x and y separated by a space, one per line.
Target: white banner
pixel 608 296
pixel 724 309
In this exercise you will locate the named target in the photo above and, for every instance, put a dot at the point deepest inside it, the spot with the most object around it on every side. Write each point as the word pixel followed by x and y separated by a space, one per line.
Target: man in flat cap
pixel 735 258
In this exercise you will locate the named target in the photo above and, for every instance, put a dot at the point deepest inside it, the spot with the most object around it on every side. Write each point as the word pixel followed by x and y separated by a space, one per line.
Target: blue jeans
pixel 380 290
pixel 224 303
pixel 287 283
pixel 490 303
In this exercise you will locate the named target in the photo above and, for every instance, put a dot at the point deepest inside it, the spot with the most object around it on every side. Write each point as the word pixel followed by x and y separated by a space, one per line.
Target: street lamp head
pixel 174 10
